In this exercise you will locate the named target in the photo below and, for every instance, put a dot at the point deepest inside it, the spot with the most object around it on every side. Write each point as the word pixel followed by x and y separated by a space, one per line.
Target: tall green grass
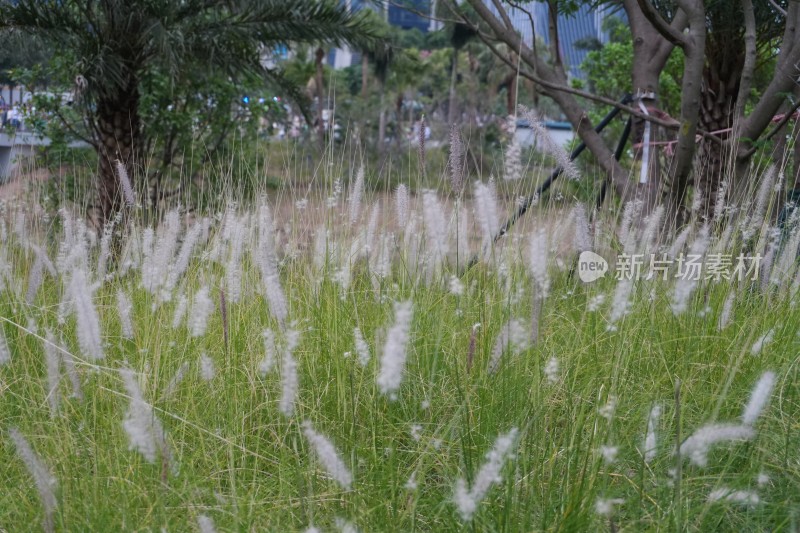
pixel 237 460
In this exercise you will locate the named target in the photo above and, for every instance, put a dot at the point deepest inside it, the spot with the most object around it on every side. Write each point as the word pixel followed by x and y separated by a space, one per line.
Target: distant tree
pixel 723 44
pixel 112 47
pixel 18 52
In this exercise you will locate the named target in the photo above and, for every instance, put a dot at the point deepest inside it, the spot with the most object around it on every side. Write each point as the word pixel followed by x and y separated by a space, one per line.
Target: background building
pixel 576 31
pixel 405 14
pixel 580 28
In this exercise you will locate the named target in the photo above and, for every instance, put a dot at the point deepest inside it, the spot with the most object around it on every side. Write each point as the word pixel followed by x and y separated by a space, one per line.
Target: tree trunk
pixel 650 54
pixel 118 135
pixel 720 89
pixel 694 46
pixel 552 30
pixel 382 118
pixel 364 75
pixel 320 54
pixel 451 102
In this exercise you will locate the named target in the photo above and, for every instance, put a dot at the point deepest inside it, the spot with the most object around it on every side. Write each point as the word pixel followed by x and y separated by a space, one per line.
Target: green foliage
pixel 608 73
pixel 177 67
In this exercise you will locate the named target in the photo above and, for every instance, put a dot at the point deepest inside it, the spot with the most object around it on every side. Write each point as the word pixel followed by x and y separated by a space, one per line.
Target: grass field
pixel 509 396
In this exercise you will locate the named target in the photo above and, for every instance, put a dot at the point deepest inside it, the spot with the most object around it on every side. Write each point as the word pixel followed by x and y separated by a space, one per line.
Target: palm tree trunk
pixel 118 139
pixel 320 95
pixel 722 76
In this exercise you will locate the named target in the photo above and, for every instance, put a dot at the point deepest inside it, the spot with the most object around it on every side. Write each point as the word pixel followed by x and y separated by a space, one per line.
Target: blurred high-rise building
pixel 579 31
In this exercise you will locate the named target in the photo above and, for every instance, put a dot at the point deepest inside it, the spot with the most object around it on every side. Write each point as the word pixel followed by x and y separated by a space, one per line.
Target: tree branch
pixel 577 92
pixel 72 130
pixel 783 80
pixel 576 115
pixel 664 28
pixel 503 15
pixel 750 56
pixel 778 7
pixel 691 90
pixel 789 33
pixel 778 126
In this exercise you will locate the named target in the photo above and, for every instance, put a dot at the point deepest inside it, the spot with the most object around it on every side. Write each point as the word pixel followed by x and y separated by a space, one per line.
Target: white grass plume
pixel 264 256
pixel 784 267
pixel 762 341
pixel 158 251
pixel 537 263
pixel 462 233
pixel 609 454
pixel 362 348
pixel 455 160
pixel 53 364
pixel 679 242
pixel 621 302
pixel 435 228
pixel 270 353
pixel 5 351
pixel 686 285
pixel 486 215
pixel 328 456
pixel 206 524
pixel 650 439
pixel 653 225
pixel 207 369
pixel 355 196
pixel 372 228
pixel 290 380
pixel 202 307
pixel 697 446
pixel 512 337
pixel 719 204
pixel 125 184
pixel 627 229
pixel 401 205
pixel 765 189
pixel 124 309
pixel 45 482
pixel 144 430
pixel 345 526
pixel 512 162
pixel 759 398
pixel 180 311
pixel 233 264
pixel 467 500
pixel 105 249
pixel 582 240
pixel 605 506
pixel 727 310
pixel 552 371
pixel 546 143
pixel 35 278
pixel 89 333
pixel 181 263
pixel 747 498
pixel 393 359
